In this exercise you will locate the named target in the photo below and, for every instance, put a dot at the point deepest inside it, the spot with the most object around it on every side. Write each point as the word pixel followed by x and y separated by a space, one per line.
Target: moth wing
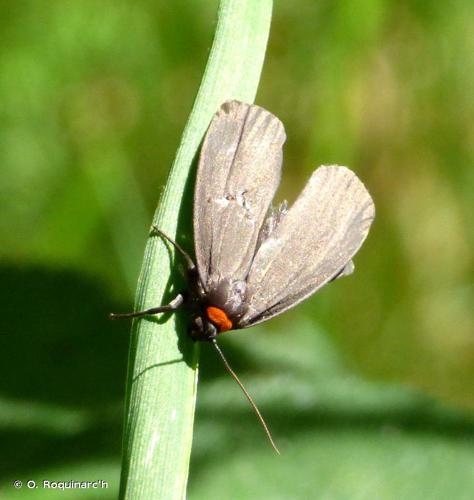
pixel 313 244
pixel 239 171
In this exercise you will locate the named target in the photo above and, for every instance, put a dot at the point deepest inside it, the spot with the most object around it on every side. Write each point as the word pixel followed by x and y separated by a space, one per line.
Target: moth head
pixel 202 329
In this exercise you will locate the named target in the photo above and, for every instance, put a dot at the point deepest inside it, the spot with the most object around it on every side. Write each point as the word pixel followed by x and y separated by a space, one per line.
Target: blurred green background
pixel 368 386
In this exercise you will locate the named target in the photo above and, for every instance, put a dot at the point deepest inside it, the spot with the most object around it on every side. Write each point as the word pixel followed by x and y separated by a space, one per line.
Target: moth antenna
pixel 247 395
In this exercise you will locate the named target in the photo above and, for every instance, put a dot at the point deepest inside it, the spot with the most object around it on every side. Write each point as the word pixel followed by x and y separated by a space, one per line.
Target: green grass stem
pixel 162 377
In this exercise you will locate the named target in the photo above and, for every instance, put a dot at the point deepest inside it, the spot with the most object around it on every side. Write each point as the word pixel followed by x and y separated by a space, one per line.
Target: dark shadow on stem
pixel 157 365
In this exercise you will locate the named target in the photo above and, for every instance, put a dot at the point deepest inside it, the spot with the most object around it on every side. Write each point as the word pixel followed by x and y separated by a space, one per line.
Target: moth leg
pixel 189 262
pixel 171 307
pixel 345 271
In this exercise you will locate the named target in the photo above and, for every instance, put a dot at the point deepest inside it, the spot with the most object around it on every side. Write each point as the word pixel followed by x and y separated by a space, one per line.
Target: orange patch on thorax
pixel 219 318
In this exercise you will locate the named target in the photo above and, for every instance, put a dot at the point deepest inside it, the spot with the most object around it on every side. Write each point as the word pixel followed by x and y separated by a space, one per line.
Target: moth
pixel 253 261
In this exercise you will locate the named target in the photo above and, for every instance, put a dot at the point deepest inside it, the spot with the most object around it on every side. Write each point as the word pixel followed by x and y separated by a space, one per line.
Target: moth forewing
pixel 313 244
pixel 238 173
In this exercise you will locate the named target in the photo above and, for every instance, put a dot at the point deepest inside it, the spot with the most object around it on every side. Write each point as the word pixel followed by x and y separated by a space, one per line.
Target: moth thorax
pixel 229 296
pixel 219 318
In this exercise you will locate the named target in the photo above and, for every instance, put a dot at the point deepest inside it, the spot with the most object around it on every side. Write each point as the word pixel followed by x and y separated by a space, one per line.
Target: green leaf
pixel 161 389
pixel 340 436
